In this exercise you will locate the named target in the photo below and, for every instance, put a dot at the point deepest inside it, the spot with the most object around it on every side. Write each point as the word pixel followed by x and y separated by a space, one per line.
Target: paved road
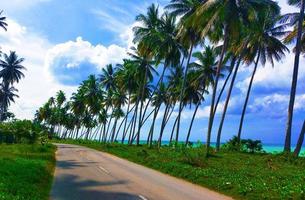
pixel 86 174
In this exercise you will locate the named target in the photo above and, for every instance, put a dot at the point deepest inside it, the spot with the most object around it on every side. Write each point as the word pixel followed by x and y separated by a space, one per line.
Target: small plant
pixel 251 146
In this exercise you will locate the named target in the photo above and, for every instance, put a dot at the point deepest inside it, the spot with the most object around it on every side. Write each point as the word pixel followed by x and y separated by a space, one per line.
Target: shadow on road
pixel 70 164
pixel 70 187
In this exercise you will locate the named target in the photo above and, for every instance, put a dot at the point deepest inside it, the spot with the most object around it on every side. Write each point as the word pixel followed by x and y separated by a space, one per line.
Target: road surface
pixel 85 174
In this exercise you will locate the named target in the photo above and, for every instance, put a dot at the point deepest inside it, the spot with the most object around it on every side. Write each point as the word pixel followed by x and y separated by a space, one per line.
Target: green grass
pixel 240 175
pixel 26 171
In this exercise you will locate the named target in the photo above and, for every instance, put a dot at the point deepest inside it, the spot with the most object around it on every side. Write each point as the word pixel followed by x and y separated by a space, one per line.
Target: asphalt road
pixel 85 174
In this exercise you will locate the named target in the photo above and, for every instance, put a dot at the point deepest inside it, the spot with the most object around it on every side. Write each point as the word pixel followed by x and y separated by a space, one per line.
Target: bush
pixel 21 131
pixel 248 145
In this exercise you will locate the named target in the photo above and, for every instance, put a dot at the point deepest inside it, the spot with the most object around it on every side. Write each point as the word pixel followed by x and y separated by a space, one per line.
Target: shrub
pixel 20 131
pixel 248 145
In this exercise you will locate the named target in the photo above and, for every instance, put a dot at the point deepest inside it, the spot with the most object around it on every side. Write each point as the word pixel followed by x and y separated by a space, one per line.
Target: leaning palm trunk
pixel 211 118
pixel 191 125
pixel 300 141
pixel 114 129
pixel 287 146
pixel 151 132
pixel 193 118
pixel 163 124
pixel 225 84
pixel 151 96
pixel 182 92
pixel 226 106
pixel 141 106
pixel 126 117
pixel 247 97
pixel 173 129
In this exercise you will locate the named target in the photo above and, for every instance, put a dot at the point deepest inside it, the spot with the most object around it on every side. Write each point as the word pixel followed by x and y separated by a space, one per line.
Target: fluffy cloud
pixel 71 62
pixel 37 85
pixel 52 67
pixel 275 105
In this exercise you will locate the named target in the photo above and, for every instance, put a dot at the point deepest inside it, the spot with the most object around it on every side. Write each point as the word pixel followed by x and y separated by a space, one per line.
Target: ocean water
pixel 269 148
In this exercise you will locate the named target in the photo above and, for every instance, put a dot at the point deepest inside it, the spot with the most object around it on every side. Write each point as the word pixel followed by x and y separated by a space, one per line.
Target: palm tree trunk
pixel 125 124
pixel 247 97
pixel 287 146
pixel 211 118
pixel 109 123
pixel 114 128
pixel 225 84
pixel 182 92
pixel 173 129
pixel 191 125
pixel 133 128
pixel 226 105
pixel 151 132
pixel 300 141
pixel 141 106
pixel 162 125
pixel 151 96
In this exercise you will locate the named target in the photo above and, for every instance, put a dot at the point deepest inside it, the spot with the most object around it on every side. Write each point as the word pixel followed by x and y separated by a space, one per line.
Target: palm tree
pixel 228 16
pixel 263 44
pixel 204 67
pixel 188 37
pixel 7 95
pixel 11 68
pixel 144 75
pixel 301 4
pixel 126 79
pixel 3 24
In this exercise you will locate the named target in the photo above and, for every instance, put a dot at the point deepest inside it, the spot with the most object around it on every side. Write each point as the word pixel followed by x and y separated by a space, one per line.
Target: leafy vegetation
pixel 240 175
pixel 26 171
pixel 21 131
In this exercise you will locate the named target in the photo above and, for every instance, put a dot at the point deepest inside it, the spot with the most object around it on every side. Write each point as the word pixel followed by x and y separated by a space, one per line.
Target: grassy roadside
pixel 26 171
pixel 240 175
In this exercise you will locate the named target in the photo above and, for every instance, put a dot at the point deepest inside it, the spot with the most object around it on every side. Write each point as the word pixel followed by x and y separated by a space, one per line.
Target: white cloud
pixel 72 61
pixel 276 77
pixel 37 85
pixel 275 105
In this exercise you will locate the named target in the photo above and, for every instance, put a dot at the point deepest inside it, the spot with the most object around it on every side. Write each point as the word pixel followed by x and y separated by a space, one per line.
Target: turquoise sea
pixel 269 148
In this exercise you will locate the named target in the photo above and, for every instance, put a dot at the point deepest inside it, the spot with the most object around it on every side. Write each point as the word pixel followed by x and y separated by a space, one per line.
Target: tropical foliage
pixel 163 75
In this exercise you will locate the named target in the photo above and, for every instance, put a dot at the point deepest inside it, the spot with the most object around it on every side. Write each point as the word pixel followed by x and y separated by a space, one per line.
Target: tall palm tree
pixel 144 75
pixel 3 24
pixel 227 16
pixel 7 95
pixel 301 4
pixel 125 77
pixel 188 37
pixel 262 43
pixel 11 68
pixel 204 67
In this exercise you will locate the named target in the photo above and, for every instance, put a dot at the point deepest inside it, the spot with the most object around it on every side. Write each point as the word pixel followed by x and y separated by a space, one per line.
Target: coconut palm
pixel 3 24
pixel 188 37
pixel 144 74
pixel 262 43
pixel 7 95
pixel 11 68
pixel 204 68
pixel 227 16
pixel 126 79
pixel 301 4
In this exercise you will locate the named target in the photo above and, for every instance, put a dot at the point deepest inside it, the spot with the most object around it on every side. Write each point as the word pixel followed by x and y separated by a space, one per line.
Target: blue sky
pixel 64 41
